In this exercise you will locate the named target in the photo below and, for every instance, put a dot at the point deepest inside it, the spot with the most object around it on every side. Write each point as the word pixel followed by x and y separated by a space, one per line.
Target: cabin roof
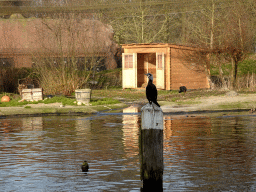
pixel 159 45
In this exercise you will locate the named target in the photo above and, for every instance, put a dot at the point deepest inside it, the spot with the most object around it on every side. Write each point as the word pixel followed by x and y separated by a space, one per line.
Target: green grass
pixel 16 103
pixel 129 94
pixel 13 103
pixel 113 96
pixel 167 92
pixel 105 101
pixel 62 99
pixel 235 105
pixel 174 99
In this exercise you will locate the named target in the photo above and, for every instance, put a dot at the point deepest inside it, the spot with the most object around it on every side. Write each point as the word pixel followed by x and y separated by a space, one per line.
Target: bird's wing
pixel 154 90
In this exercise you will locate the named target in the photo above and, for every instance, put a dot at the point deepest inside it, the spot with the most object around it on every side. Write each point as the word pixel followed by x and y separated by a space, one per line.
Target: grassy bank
pixel 163 95
pixel 56 110
pixel 113 96
pixel 117 98
pixel 16 101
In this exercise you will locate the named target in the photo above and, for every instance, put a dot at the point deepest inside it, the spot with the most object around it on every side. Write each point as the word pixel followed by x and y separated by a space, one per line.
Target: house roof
pixel 33 35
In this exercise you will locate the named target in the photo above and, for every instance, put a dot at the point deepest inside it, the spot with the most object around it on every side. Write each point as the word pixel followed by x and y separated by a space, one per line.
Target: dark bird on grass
pixel 151 91
pixel 183 89
pixel 85 166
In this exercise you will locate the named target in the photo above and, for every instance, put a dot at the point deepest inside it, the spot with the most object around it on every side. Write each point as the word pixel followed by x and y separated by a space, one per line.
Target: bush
pixel 247 66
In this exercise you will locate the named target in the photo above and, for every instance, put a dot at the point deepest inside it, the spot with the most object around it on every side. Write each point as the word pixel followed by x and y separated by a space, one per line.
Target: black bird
pixel 151 91
pixel 183 89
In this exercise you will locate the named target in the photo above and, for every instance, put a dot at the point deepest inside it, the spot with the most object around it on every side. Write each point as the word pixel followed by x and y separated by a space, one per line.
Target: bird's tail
pixel 156 103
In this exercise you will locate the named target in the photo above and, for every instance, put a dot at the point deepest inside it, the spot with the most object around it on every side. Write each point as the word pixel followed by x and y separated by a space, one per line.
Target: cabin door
pixel 129 70
pixel 160 71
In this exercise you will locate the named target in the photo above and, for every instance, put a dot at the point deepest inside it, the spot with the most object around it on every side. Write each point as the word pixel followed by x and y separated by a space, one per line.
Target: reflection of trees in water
pixel 210 152
pixel 131 131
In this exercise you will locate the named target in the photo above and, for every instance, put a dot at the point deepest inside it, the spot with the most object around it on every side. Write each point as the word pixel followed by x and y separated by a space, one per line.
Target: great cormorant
pixel 151 91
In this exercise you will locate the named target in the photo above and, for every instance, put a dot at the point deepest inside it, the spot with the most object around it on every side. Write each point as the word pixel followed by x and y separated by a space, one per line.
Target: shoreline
pixel 108 112
pixel 118 111
pixel 55 110
pixel 200 105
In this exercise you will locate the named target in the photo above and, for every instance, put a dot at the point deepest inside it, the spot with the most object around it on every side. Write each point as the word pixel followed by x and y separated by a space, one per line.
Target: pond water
pixel 201 153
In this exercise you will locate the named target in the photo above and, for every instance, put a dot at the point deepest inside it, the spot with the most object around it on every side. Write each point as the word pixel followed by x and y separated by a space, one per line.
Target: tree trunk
pixel 232 76
pixel 234 72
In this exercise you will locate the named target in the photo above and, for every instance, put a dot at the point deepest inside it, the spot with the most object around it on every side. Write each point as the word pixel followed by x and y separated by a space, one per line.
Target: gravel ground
pixel 247 101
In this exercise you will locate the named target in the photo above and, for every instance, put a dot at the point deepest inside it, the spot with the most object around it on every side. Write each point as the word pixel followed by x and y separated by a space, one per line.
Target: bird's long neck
pixel 150 81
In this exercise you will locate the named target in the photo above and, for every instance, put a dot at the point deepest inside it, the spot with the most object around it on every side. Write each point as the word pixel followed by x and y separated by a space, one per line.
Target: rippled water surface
pixel 201 153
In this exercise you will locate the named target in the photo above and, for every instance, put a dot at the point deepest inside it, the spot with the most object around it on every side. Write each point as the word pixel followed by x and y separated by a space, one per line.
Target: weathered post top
pixel 152 117
pixel 151 147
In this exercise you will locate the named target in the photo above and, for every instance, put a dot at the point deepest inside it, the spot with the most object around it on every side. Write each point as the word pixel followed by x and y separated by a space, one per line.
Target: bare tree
pixel 139 24
pixel 224 28
pixel 71 50
pixel 237 36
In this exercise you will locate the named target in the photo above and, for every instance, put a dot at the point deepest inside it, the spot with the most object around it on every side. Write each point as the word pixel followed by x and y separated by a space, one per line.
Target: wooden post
pixel 151 148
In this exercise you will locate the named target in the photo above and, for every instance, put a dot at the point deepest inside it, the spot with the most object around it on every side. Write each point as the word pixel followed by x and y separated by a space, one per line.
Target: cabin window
pixel 160 61
pixel 128 61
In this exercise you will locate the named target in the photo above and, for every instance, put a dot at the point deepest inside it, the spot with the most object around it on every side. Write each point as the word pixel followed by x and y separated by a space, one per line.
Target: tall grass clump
pixel 58 76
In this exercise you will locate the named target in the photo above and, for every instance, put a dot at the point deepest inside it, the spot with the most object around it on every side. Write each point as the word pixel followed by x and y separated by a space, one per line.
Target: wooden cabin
pixel 172 66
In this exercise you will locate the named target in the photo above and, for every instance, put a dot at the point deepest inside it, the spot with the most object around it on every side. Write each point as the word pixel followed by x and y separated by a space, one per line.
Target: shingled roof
pixel 36 35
